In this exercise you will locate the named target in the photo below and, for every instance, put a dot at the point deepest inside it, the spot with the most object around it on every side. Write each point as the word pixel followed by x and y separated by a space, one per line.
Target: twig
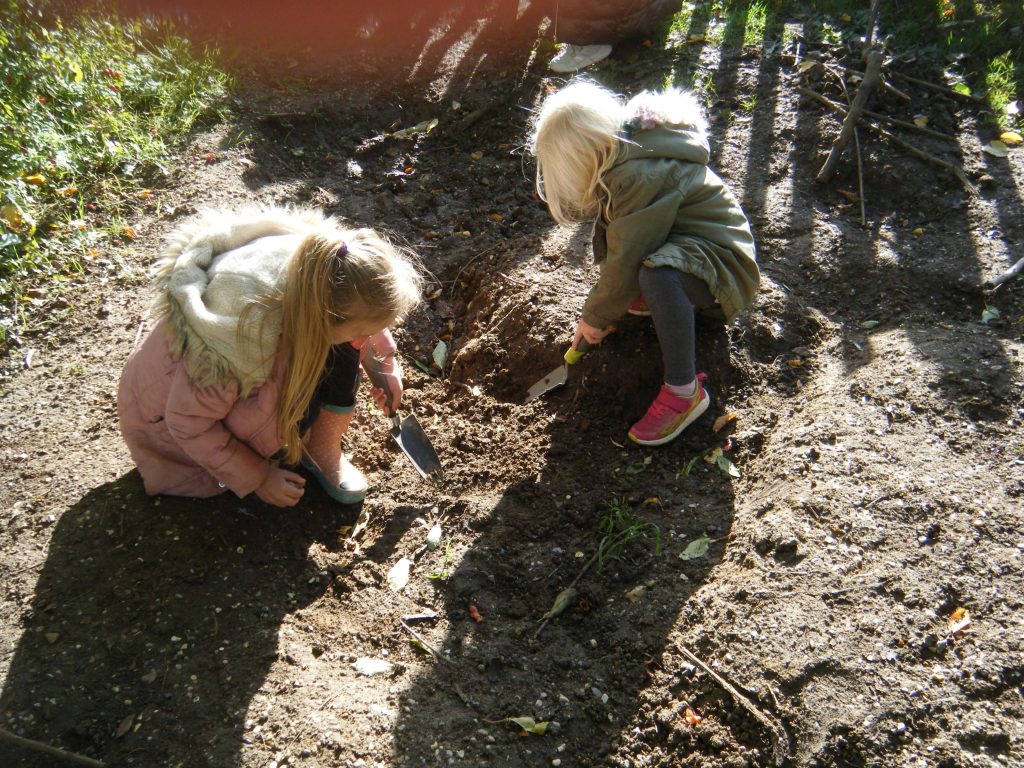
pixel 872 18
pixel 867 86
pixel 894 90
pixel 919 153
pixel 876 116
pixel 1008 275
pixel 922 155
pixel 424 643
pixel 780 740
pixel 572 584
pixel 39 746
pixel 940 88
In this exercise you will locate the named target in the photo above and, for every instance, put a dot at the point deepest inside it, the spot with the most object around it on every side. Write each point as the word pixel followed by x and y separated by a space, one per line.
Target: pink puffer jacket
pixel 188 441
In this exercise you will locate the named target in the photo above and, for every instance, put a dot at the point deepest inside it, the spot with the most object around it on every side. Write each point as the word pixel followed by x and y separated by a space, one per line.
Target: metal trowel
pixel 560 375
pixel 406 432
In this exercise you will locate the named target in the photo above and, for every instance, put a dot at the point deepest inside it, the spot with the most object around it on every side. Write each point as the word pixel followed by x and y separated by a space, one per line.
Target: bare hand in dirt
pixel 590 333
pixel 282 487
pixel 393 376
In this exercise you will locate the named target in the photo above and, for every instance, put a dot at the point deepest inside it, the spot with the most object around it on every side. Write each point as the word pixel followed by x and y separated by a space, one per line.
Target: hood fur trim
pixel 203 297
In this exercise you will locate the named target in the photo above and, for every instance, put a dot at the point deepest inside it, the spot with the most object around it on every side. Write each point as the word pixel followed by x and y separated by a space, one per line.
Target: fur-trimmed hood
pixel 220 269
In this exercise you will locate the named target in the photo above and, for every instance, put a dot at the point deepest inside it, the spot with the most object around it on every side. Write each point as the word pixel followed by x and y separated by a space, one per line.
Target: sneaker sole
pixel 332 490
pixel 694 415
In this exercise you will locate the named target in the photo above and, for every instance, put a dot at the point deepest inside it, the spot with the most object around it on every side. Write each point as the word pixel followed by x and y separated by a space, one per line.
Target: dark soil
pixel 877 430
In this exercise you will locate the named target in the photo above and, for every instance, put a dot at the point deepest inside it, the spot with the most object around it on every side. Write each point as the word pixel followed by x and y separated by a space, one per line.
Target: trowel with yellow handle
pixel 560 375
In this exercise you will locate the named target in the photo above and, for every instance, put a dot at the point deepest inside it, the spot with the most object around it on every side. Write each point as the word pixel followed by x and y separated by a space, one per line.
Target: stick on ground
pixel 871 77
pixel 38 746
pixel 780 739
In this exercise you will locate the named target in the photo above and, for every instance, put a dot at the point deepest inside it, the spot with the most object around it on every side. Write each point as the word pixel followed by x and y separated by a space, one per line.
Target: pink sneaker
pixel 669 415
pixel 639 307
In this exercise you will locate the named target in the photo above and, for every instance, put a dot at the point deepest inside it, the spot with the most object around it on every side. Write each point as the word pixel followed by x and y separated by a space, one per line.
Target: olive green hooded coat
pixel 665 207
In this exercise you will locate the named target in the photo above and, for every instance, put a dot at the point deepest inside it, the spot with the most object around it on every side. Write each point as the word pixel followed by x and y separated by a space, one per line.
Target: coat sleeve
pixel 195 419
pixel 638 225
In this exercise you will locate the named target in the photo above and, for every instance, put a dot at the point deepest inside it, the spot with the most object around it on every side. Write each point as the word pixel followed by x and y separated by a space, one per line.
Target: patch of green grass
pixel 91 106
pixel 619 527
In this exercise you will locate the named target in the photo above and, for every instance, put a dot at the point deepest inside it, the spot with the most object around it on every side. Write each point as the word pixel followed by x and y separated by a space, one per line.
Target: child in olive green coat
pixel 668 234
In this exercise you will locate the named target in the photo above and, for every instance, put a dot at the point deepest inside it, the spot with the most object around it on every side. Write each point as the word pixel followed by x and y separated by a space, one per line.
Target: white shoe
pixel 573 57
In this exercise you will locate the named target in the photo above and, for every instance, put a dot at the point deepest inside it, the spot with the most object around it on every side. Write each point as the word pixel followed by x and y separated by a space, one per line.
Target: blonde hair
pixel 577 137
pixel 575 140
pixel 346 275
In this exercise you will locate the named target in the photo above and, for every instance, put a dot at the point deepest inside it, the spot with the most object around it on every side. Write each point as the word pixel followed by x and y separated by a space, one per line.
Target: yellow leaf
pixel 17 220
pixel 919 231
pixel 477 155
pixel 996 149
pixel 1011 138
pixel 77 70
pixel 722 420
pixel 958 621
pixel 66 191
pixel 529 725
pixel 497 217
pixel 845 18
pixel 124 727
pixel 36 179
pixel 920 120
pixel 128 232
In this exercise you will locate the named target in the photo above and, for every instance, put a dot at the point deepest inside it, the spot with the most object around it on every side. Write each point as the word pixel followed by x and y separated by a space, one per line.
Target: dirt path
pixel 859 602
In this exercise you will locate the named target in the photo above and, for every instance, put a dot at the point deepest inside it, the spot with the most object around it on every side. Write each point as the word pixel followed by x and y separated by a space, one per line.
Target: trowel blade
pixel 556 378
pixel 416 445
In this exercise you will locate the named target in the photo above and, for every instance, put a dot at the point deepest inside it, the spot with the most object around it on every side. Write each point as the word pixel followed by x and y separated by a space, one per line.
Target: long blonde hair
pixel 347 275
pixel 575 140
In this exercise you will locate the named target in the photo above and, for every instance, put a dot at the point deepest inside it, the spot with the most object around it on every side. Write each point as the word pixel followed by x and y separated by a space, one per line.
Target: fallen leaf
pixel 919 231
pixel 425 127
pixel 1011 138
pixel 996 149
pixel 440 354
pixel 920 120
pixel 434 536
pixel 124 727
pixel 497 217
pixel 958 621
pixel 691 717
pixel 696 548
pixel 529 725
pixel 477 155
pixel 398 576
pixel 562 601
pixel 722 420
pixel 36 179
pixel 636 593
pixel 370 667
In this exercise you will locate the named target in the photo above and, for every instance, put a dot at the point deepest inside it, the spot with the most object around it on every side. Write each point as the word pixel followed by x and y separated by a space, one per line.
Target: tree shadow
pixel 162 614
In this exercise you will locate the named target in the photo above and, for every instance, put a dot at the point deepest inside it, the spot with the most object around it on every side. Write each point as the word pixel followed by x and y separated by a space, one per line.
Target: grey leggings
pixel 672 296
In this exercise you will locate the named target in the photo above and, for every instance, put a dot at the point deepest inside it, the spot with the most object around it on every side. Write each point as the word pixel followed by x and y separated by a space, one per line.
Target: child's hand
pixel 590 333
pixel 282 487
pixel 392 371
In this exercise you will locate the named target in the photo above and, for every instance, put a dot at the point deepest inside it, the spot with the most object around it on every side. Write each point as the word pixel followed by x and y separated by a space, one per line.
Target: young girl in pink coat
pixel 252 364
